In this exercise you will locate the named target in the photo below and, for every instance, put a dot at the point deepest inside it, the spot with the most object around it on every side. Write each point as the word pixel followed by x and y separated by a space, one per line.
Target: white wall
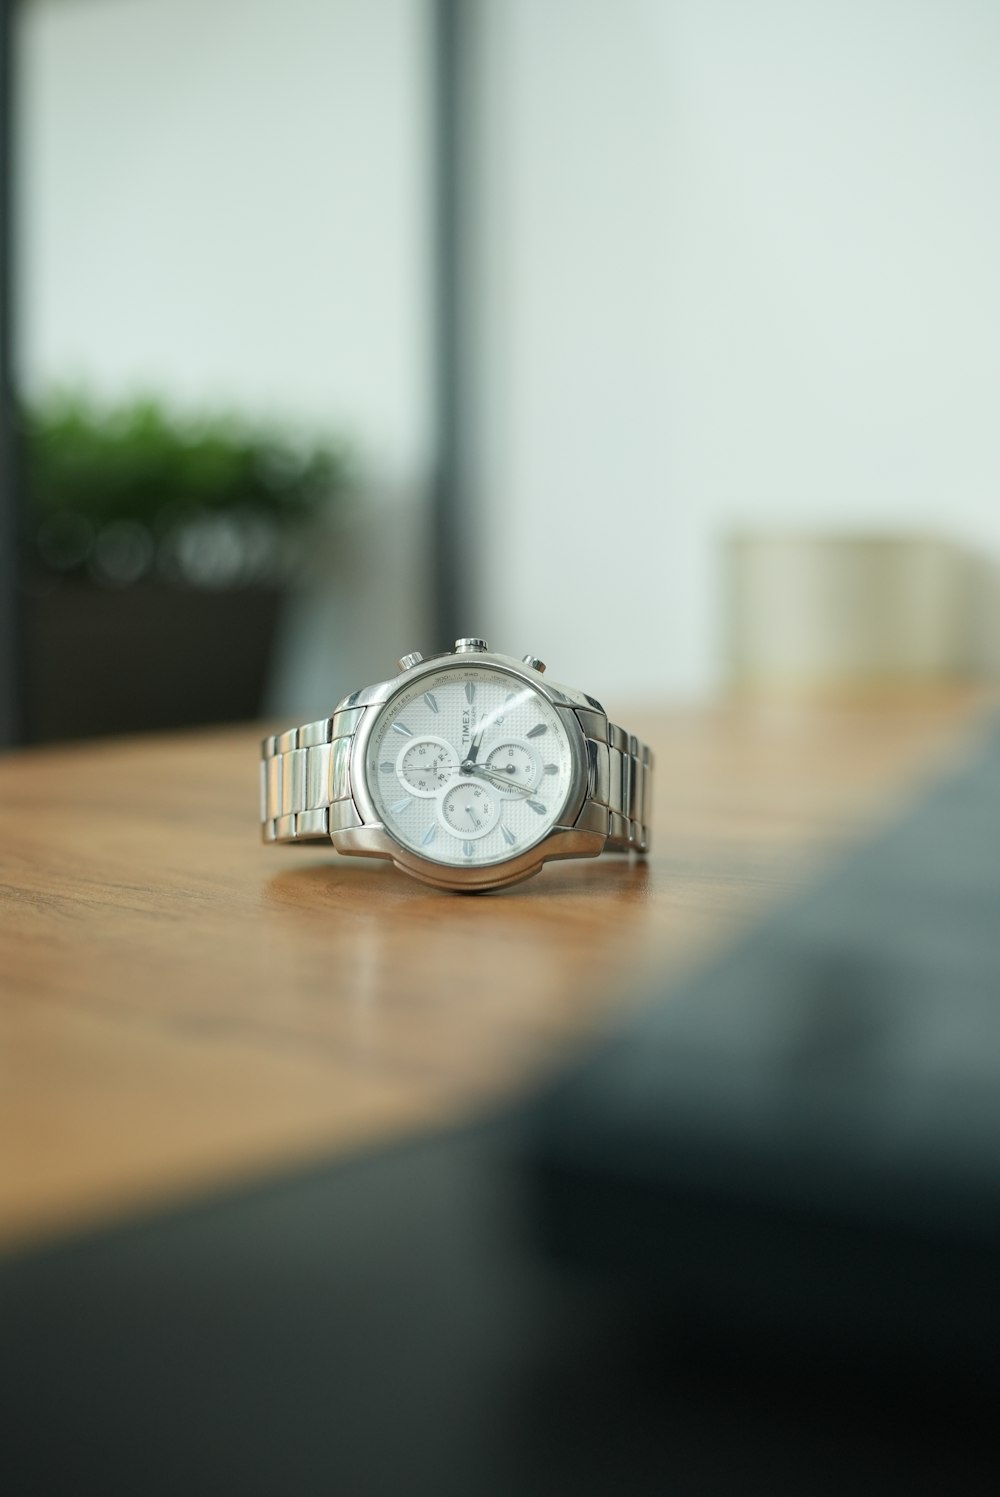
pixel 737 266
pixel 228 200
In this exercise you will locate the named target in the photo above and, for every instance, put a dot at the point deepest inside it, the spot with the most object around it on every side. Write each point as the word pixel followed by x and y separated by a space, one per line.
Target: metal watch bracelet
pixel 305 782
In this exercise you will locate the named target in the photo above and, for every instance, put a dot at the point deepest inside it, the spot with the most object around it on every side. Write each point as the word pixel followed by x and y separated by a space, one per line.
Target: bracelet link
pixel 304 774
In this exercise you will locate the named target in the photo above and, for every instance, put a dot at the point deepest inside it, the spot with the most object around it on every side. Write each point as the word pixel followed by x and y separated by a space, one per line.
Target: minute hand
pixel 501 781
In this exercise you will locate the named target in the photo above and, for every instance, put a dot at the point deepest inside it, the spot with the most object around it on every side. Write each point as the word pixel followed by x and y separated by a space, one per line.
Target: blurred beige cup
pixel 810 613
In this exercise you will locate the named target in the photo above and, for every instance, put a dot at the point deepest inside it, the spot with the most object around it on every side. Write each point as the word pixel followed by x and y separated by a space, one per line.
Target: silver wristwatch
pixel 468 770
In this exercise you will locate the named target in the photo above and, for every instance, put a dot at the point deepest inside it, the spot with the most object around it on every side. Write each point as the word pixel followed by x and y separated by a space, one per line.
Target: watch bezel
pixel 561 839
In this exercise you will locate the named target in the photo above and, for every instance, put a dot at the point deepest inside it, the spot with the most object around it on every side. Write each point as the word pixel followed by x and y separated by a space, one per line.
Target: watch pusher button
pixel 535 663
pixel 407 662
pixel 470 646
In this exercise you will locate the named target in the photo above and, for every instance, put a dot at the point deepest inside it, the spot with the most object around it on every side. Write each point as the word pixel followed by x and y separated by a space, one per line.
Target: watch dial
pixel 469 765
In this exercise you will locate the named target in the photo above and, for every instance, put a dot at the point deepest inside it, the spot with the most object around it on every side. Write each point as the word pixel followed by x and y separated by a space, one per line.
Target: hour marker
pixel 431 700
pixel 387 767
pixel 429 835
pixel 508 699
pixel 536 805
pixel 402 728
pixel 508 836
pixel 401 805
pixel 552 769
pixel 538 730
pixel 467 849
pixel 470 691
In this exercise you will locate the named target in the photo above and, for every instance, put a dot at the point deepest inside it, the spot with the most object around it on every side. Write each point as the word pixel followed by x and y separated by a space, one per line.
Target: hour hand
pixel 477 738
pixel 474 747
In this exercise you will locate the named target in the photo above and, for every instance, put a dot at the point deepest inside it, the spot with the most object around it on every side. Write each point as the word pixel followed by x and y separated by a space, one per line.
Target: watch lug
pixel 573 697
pixel 594 819
pixel 367 695
pixel 343 818
pixel 572 842
pixel 594 724
pixel 364 842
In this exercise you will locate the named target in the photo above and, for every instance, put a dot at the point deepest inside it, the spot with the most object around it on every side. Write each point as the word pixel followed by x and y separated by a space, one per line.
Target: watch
pixel 469 770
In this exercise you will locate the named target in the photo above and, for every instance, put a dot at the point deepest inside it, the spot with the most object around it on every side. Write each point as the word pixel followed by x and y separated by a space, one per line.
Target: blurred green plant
pixel 124 490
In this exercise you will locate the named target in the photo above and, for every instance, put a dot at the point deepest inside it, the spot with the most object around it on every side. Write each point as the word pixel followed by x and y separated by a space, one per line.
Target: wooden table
pixel 182 1006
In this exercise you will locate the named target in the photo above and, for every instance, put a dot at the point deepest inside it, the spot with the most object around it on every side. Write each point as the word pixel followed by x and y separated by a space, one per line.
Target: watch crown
pixel 470 646
pixel 535 663
pixel 407 662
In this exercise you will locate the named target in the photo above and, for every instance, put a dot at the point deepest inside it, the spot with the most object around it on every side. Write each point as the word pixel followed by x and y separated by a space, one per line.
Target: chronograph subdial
pixel 469 809
pixel 514 767
pixel 426 765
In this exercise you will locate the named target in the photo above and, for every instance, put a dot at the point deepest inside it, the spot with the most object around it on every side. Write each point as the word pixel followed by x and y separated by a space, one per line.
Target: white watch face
pixel 469 765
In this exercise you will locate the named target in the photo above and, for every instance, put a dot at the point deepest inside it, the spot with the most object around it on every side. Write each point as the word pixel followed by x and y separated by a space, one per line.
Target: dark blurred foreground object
pixel 804 1143
pixel 158 548
pixel 776 1196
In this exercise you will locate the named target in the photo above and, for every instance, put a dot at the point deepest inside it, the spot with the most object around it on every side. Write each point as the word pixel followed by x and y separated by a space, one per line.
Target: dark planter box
pixel 146 657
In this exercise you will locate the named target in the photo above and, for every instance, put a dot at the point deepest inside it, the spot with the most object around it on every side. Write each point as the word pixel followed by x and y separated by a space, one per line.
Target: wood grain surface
pixel 183 1006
